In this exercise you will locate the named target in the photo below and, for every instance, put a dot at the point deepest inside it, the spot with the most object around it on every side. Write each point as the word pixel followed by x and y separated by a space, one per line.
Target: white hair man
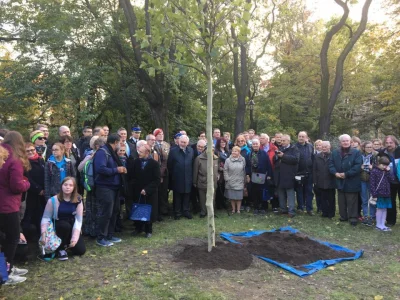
pixel 180 166
pixel 345 165
pixel 286 162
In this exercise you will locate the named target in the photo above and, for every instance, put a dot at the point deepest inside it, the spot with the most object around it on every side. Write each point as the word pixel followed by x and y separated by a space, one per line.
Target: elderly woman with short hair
pixel 345 164
pixel 324 181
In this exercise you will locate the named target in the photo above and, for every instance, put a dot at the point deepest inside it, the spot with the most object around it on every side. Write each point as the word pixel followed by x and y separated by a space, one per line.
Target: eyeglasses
pixel 30 150
pixel 369 147
pixel 241 141
pixel 55 150
pixel 40 138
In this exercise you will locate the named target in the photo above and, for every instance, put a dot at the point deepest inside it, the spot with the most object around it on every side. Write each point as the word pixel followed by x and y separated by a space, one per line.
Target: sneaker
pixel 310 213
pixel 18 272
pixel 367 222
pixel 247 208
pixel 114 240
pixel 386 229
pixel 299 211
pixel 148 235
pixel 242 208
pixel 354 224
pixel 46 257
pixel 14 279
pixel 62 255
pixel 291 215
pixel 188 216
pixel 275 210
pixel 104 243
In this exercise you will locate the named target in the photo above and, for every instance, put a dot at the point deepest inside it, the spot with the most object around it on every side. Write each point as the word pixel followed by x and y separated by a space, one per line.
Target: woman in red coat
pixel 12 185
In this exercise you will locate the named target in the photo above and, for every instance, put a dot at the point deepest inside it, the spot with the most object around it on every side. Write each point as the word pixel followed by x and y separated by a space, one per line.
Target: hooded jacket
pixel 52 176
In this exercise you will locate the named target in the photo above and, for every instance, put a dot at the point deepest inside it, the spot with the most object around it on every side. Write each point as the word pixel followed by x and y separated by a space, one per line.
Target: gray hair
pixel 286 136
pixel 264 135
pixel 62 128
pixel 326 143
pixel 140 144
pixel 343 136
pixel 255 139
pixel 202 142
pixel 184 136
pixel 149 136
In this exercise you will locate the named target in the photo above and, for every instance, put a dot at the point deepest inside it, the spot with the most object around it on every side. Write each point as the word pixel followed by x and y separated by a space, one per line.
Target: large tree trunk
pixel 328 102
pixel 210 161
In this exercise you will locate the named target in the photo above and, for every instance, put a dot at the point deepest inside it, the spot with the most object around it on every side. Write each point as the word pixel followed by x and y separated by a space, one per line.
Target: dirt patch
pixel 292 248
pixel 225 256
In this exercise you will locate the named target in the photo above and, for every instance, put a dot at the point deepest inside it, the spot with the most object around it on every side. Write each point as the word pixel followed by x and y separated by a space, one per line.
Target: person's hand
pixel 72 244
pixel 247 178
pixel 143 192
pixel 279 153
pixel 338 175
pixel 387 168
pixel 41 193
pixel 121 170
pixel 162 179
pixel 43 237
pixel 22 237
pixel 370 167
pixel 268 178
pixel 343 176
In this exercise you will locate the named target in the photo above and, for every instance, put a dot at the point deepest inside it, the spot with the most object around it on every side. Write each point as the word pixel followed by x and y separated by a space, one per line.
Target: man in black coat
pixel 194 194
pixel 286 163
pixel 304 187
pixel 145 174
pixel 180 167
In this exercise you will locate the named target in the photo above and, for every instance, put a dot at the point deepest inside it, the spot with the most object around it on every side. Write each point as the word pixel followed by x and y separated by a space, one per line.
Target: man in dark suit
pixel 135 135
pixel 180 166
pixel 131 150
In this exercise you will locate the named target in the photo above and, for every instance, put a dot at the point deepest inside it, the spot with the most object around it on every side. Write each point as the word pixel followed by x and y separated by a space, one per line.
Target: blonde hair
pixel 3 155
pixel 237 148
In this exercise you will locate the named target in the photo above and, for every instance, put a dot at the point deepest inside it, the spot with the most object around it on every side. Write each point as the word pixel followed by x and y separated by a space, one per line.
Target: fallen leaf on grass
pixel 114 286
pixel 106 281
pixel 285 276
pixel 98 298
pixel 378 297
pixel 331 268
pixel 92 255
pixel 144 252
pixel 61 298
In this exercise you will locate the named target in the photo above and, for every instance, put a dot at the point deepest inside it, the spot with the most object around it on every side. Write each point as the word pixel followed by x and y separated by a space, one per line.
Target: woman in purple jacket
pixel 12 185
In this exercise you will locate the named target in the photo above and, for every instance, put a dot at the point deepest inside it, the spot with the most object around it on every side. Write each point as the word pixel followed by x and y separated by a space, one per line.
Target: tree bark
pixel 210 161
pixel 328 102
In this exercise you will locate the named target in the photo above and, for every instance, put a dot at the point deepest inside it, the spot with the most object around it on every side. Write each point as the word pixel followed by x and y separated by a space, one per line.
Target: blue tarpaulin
pixel 312 268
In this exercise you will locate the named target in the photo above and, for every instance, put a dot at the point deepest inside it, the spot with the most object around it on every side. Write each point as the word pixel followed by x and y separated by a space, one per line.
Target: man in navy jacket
pixel 107 169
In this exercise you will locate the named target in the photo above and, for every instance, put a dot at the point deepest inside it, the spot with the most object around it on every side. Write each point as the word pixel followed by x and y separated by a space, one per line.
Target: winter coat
pixel 384 187
pixel 12 183
pixel 350 165
pixel 306 158
pixel 235 173
pixel 322 178
pixel 200 171
pixel 394 163
pixel 264 164
pixel 180 168
pixel 286 167
pixel 36 179
pixel 52 176
pixel 105 169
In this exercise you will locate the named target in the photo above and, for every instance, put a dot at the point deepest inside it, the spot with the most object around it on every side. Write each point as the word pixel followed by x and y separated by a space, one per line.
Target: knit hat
pixel 157 131
pixel 35 135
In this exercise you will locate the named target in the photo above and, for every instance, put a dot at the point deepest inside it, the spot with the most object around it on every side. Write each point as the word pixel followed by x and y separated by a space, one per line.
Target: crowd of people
pixel 88 186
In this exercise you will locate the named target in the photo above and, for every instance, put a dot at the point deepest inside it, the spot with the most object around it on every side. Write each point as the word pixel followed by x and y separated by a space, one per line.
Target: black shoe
pixel 160 219
pixel 202 216
pixel 310 213
pixel 343 220
pixel 354 224
pixel 177 218
pixel 136 233
pixel 148 235
pixel 275 210
pixel 188 216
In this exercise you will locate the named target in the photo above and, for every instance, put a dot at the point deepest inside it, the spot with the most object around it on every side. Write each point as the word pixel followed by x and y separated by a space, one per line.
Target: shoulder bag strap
pixel 53 201
pixel 383 175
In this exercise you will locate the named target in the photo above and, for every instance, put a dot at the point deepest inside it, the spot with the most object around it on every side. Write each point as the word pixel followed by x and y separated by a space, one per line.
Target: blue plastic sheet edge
pixel 312 268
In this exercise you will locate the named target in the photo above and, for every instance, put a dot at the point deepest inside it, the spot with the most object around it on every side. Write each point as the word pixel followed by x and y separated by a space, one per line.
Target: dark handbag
pixel 140 212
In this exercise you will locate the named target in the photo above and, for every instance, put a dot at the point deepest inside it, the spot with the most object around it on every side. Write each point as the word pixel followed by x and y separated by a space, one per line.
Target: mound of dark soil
pixel 225 256
pixel 293 249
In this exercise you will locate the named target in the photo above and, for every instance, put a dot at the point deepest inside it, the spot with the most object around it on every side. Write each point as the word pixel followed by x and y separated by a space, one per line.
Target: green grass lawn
pixel 125 272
